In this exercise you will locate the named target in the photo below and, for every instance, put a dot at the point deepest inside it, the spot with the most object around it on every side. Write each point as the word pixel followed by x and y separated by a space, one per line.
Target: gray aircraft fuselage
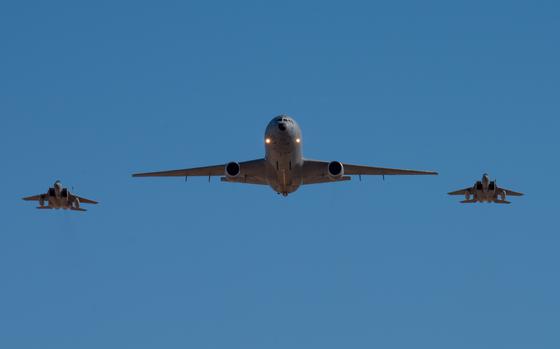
pixel 283 155
pixel 486 190
pixel 58 197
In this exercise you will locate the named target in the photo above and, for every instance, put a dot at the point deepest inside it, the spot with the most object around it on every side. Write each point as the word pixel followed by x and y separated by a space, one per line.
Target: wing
pixel 315 171
pixel 511 192
pixel 461 192
pixel 35 197
pixel 85 201
pixel 350 169
pixel 217 170
pixel 251 172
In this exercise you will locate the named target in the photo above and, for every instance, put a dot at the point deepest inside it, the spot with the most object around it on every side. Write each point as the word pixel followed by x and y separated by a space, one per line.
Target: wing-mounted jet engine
pixel 335 170
pixel 233 169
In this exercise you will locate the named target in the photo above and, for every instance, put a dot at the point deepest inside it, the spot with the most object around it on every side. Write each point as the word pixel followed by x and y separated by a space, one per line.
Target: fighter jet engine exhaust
pixel 233 169
pixel 335 169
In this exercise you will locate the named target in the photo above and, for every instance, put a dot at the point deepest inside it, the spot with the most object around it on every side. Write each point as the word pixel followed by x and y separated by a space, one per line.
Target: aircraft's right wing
pixel 217 170
pixel 461 192
pixel 35 197
pixel 251 172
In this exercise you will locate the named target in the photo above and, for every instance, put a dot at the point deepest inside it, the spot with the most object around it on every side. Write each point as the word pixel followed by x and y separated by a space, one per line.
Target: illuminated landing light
pixel 267 141
pixel 298 140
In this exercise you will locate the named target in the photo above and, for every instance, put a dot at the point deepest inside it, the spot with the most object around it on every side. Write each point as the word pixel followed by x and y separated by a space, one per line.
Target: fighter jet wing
pixel 85 201
pixel 511 192
pixel 252 172
pixel 461 192
pixel 35 197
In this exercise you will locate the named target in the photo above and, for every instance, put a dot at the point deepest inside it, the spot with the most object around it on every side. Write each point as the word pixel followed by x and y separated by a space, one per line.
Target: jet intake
pixel 335 170
pixel 233 169
pixel 503 195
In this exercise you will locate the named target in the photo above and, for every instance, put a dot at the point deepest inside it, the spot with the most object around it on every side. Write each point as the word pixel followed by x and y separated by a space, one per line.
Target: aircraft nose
pixel 282 126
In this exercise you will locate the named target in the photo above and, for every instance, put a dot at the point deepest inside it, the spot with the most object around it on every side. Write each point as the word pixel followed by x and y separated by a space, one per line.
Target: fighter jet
pixel 485 191
pixel 59 197
pixel 283 167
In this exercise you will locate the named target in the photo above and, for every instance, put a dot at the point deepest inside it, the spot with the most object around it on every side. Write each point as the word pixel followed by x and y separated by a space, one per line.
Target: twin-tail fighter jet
pixel 283 167
pixel 58 197
pixel 485 190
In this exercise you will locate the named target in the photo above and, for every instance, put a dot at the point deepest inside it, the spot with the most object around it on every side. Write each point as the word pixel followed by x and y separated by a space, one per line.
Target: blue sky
pixel 92 92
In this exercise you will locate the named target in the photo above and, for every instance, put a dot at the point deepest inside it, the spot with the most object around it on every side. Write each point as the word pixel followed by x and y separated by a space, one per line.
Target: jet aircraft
pixel 58 197
pixel 485 190
pixel 283 167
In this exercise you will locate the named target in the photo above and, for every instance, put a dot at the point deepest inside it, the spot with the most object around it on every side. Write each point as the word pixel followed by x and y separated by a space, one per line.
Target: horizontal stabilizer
pixel 78 209
pixel 468 201
pixel 44 208
pixel 502 202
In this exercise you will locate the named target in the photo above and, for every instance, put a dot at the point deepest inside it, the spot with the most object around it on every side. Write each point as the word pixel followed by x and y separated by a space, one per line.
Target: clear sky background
pixel 92 92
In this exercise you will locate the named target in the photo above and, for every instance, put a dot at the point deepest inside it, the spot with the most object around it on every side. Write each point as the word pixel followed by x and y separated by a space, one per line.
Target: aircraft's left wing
pixel 511 192
pixel 85 201
pixel 381 171
pixel 315 171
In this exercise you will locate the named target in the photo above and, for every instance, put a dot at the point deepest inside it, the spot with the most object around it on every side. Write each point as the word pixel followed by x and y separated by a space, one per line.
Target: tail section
pixel 502 202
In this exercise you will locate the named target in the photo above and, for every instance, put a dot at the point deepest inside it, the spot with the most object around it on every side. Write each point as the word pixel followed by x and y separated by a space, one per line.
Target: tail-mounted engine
pixel 335 170
pixel 233 169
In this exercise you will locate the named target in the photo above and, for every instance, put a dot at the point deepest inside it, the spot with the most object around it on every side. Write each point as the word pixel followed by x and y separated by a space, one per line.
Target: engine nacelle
pixel 335 169
pixel 503 195
pixel 467 196
pixel 233 169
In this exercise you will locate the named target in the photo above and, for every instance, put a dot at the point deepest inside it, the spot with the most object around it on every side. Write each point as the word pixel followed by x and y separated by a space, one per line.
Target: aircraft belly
pixel 284 172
